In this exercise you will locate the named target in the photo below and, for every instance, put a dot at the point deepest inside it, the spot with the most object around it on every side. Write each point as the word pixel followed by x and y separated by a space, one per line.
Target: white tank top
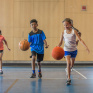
pixel 70 41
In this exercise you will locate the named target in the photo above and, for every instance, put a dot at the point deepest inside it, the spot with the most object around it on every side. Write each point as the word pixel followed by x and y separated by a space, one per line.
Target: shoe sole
pixel 1 73
pixel 33 77
pixel 39 76
pixel 68 83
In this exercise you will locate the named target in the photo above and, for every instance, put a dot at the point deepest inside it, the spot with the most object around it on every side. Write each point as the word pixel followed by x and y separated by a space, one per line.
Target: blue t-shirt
pixel 36 41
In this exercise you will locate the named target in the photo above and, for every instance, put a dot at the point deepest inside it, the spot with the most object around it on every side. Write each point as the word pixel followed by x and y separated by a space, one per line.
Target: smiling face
pixel 67 25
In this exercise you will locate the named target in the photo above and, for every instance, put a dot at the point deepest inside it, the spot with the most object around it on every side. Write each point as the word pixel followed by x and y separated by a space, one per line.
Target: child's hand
pixel 46 46
pixel 88 50
pixel 9 49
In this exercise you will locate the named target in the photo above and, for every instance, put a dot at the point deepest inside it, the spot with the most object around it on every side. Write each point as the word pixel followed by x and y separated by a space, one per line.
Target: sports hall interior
pixel 15 16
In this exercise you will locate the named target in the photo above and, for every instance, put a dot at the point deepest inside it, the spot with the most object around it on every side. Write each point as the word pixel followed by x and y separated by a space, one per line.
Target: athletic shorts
pixel 71 53
pixel 1 51
pixel 39 56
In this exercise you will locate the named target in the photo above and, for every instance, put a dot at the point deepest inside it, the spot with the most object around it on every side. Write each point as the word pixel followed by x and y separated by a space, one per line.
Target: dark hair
pixel 68 20
pixel 33 20
pixel 0 32
pixel 71 22
pixel 77 30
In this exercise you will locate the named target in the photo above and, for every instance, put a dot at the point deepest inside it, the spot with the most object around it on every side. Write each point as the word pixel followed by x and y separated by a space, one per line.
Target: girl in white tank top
pixel 69 36
pixel 70 41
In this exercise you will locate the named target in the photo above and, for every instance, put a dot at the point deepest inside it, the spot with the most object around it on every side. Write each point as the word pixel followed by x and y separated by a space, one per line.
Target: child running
pixel 2 39
pixel 69 35
pixel 37 39
pixel 77 41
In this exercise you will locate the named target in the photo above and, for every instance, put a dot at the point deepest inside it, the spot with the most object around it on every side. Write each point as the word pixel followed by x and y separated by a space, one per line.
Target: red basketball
pixel 24 45
pixel 58 53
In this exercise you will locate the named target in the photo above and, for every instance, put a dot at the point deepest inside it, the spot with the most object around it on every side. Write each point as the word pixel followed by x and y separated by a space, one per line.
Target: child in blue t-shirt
pixel 37 39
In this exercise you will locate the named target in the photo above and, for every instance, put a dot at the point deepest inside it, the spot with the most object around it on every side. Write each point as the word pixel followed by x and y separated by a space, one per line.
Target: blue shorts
pixel 71 53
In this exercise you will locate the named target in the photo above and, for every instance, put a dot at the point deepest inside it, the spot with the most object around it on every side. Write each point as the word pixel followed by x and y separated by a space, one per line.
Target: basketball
pixel 24 45
pixel 58 53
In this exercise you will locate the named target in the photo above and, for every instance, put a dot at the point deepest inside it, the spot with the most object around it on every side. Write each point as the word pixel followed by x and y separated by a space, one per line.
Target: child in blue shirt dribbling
pixel 37 39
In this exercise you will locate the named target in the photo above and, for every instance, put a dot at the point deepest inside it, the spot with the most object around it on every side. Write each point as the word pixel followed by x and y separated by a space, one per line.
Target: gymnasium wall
pixel 15 24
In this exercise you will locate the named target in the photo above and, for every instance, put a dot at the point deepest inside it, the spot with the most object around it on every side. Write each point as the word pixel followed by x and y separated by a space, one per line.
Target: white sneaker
pixel 71 69
pixel 66 70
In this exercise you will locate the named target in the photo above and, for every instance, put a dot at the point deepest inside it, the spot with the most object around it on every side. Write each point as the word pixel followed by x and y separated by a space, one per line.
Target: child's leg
pixel 33 62
pixel 1 54
pixel 73 56
pixel 39 67
pixel 39 59
pixel 39 70
pixel 72 62
pixel 33 68
pixel 68 65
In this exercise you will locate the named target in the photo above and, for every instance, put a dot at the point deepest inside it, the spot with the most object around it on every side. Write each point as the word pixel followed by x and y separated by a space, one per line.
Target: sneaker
pixel 68 82
pixel 66 70
pixel 33 76
pixel 39 75
pixel 71 69
pixel 66 73
pixel 1 72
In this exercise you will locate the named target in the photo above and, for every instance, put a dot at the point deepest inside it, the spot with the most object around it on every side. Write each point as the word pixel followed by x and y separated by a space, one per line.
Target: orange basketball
pixel 58 53
pixel 24 45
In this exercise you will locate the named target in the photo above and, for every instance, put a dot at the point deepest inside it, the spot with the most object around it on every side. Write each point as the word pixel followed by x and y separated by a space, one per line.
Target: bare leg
pixel 68 65
pixel 39 65
pixel 1 54
pixel 33 62
pixel 33 67
pixel 72 62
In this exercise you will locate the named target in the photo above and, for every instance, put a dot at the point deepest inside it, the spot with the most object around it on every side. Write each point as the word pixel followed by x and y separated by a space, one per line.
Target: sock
pixel 33 71
pixel 0 70
pixel 39 71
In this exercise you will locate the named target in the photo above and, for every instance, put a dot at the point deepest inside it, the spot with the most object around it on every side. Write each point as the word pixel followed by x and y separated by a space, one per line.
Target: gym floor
pixel 17 80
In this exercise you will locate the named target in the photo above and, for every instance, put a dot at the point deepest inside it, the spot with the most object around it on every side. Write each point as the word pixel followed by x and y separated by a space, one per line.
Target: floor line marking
pixel 11 86
pixel 80 74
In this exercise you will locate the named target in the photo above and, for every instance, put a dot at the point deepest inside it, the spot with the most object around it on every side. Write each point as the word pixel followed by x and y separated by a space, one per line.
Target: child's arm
pixel 82 42
pixel 6 44
pixel 45 42
pixel 61 39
